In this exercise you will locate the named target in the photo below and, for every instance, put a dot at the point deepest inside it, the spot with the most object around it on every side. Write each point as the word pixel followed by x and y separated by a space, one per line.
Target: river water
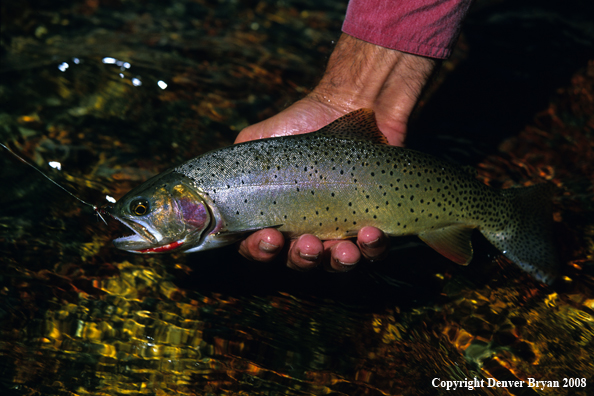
pixel 116 91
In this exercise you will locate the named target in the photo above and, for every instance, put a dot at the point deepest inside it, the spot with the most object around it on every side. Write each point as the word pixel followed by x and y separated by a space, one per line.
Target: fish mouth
pixel 141 239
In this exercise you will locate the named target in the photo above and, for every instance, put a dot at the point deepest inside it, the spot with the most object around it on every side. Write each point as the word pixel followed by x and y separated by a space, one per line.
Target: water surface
pixel 117 91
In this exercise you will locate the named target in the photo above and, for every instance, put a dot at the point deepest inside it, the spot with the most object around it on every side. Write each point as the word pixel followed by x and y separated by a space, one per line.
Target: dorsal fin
pixel 359 124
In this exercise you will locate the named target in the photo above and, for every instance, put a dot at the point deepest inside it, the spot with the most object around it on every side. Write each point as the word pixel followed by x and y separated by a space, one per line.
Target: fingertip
pixel 370 235
pixel 344 256
pixel 305 253
pixel 263 245
pixel 271 241
pixel 372 242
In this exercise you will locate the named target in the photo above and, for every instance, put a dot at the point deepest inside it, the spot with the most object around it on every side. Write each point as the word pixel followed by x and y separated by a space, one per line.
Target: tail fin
pixel 527 239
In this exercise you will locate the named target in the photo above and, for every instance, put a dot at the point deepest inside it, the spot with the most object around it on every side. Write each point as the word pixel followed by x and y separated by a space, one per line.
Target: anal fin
pixel 453 242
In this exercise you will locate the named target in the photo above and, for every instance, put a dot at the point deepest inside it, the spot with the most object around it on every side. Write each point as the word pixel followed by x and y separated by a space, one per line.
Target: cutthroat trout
pixel 331 183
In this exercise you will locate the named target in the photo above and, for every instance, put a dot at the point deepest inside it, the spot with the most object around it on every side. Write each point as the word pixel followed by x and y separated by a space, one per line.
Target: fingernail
pixel 309 257
pixel 268 247
pixel 372 244
pixel 345 267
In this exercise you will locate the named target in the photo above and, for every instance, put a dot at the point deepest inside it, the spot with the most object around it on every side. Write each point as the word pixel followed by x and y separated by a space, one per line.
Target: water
pixel 82 84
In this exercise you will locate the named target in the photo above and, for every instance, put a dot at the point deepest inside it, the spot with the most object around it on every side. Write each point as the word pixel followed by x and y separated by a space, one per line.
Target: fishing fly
pixel 98 211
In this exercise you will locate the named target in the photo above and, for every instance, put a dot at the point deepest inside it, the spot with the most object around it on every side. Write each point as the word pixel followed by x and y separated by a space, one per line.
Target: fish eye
pixel 139 207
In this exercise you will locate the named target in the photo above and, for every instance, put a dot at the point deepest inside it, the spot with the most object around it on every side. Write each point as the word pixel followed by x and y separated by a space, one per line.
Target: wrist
pixel 361 74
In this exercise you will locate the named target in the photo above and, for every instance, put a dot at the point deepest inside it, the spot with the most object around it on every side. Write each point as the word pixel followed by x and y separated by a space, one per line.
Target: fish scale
pixel 331 187
pixel 331 183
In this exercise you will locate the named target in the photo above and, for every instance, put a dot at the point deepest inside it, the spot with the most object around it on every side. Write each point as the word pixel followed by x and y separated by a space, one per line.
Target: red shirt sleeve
pixel 422 27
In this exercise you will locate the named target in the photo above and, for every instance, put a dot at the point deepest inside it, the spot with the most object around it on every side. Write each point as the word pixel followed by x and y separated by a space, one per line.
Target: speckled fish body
pixel 333 182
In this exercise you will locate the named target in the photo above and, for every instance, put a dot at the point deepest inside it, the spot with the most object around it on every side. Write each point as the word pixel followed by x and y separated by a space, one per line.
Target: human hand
pixel 359 75
pixel 307 251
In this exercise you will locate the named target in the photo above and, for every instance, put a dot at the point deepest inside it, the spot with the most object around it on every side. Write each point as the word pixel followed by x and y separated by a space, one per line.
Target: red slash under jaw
pixel 164 248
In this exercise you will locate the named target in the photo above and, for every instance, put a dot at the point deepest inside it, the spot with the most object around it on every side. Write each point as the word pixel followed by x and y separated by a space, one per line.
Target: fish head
pixel 166 213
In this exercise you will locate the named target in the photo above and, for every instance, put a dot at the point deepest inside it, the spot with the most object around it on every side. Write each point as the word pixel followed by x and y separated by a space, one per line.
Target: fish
pixel 331 183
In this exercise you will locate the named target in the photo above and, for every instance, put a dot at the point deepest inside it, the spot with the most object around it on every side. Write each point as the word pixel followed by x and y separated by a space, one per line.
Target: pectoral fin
pixel 225 237
pixel 351 233
pixel 238 234
pixel 452 242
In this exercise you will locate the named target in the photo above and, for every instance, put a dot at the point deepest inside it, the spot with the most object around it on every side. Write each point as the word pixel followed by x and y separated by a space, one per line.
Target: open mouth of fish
pixel 143 241
pixel 141 237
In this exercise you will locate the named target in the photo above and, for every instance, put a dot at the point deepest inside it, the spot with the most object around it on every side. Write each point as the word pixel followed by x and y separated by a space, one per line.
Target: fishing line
pixel 95 208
